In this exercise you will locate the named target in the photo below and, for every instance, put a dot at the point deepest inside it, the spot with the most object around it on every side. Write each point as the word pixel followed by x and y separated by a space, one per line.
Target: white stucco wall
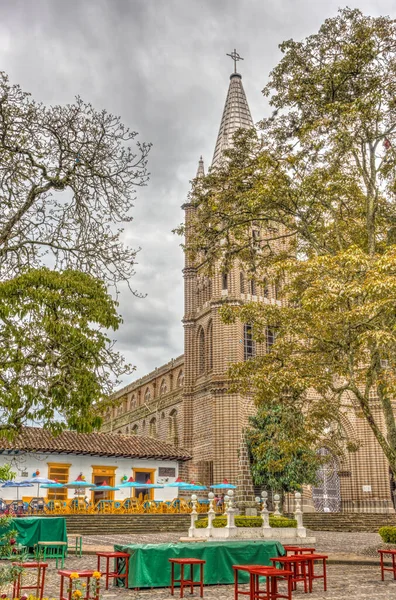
pixel 22 463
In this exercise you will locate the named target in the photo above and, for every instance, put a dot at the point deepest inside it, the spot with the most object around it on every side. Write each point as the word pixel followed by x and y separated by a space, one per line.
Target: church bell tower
pixel 213 417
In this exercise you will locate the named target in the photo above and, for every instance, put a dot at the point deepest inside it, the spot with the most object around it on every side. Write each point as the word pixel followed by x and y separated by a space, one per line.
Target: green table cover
pixel 38 529
pixel 149 565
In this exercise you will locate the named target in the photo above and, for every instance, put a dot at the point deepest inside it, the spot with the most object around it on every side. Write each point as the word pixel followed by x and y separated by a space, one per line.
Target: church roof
pixel 236 115
pixel 35 439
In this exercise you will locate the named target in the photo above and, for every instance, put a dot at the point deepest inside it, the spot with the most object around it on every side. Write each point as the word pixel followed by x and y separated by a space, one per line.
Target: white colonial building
pixel 99 457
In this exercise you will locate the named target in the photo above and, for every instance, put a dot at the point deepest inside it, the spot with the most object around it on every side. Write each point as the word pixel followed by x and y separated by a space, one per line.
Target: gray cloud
pixel 161 65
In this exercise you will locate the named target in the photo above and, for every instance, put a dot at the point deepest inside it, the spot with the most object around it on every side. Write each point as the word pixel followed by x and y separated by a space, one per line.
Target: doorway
pixel 101 475
pixel 326 495
pixel 144 476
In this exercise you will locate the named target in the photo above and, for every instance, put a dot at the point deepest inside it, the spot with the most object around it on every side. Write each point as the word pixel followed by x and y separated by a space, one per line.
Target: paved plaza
pixel 345 581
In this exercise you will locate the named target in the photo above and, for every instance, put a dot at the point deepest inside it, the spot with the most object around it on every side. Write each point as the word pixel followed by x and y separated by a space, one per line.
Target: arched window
pixel 252 286
pixel 209 339
pixel 147 395
pixel 180 379
pixel 242 282
pixel 265 289
pixel 270 338
pixel 201 351
pixel 126 430
pixel 135 429
pixel 224 281
pixel 163 387
pixel 133 402
pixel 153 427
pixel 249 347
pixel 172 425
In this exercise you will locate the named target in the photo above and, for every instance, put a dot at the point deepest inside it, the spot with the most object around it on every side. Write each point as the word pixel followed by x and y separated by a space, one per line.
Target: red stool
pixel 311 559
pixel 298 550
pixel 118 556
pixel 238 568
pixel 39 587
pixel 65 574
pixel 383 568
pixel 272 576
pixel 186 582
pixel 297 564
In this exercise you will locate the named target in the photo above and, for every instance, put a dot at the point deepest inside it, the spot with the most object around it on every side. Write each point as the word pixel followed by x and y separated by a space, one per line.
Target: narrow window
pixel 201 351
pixel 253 290
pixel 248 342
pixel 224 281
pixel 180 379
pixel 242 282
pixel 271 336
pixel 265 289
pixel 210 345
pixel 256 237
pixel 134 430
pixel 147 395
pixel 153 427
pixel 172 431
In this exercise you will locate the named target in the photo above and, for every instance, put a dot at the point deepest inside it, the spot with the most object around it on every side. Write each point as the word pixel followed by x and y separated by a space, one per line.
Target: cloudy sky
pixel 162 66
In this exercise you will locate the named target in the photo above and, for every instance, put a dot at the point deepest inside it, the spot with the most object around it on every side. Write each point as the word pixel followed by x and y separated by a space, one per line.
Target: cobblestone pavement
pixel 344 582
pixel 330 542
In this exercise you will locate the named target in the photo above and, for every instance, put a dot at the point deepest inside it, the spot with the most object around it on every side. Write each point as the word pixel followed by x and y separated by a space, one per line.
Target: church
pixel 187 401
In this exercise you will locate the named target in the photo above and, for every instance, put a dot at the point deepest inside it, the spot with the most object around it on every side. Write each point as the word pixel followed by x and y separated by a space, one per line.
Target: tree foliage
pixel 67 183
pixel 320 188
pixel 56 360
pixel 6 473
pixel 283 458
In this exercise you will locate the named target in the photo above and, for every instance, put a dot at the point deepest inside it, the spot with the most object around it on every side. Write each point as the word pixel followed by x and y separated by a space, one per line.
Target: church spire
pixel 236 113
pixel 201 168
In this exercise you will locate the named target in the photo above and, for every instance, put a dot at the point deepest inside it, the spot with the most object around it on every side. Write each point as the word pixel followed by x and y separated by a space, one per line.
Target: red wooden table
pixel 298 550
pixel 272 575
pixel 383 568
pixel 297 564
pixel 88 575
pixel 39 586
pixel 311 559
pixel 186 582
pixel 117 556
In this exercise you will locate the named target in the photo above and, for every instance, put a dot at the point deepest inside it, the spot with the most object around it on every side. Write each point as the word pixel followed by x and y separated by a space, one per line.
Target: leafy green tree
pixel 282 456
pixel 6 473
pixel 56 360
pixel 319 188
pixel 68 181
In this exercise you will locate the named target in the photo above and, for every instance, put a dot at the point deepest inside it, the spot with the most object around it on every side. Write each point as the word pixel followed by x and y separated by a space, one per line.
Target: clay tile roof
pixel 34 439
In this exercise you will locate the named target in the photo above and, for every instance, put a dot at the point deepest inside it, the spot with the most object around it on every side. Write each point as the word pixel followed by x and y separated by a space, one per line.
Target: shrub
pixel 242 521
pixel 388 534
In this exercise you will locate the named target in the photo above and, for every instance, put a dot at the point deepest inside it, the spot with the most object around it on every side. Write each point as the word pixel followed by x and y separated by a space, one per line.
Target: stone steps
pixel 120 524
pixel 369 522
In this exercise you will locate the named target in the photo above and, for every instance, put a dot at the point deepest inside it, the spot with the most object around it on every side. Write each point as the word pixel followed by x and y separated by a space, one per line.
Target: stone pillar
pixel 301 531
pixel 276 504
pixel 266 528
pixel 211 514
pixel 194 516
pixel 230 511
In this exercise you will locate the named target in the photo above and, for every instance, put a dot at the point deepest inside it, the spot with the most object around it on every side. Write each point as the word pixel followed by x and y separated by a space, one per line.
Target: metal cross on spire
pixel 235 57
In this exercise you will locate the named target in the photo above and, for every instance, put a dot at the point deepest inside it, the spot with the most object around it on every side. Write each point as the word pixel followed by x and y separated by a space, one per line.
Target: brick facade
pixel 187 400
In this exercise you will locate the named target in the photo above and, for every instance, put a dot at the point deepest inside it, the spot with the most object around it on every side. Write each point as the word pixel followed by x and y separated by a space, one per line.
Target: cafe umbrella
pixel 103 487
pixel 178 483
pixel 38 481
pixel 53 486
pixel 17 485
pixel 223 486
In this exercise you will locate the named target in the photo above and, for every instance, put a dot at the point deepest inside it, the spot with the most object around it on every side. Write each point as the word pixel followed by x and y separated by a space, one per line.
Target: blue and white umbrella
pixel 38 481
pixel 17 485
